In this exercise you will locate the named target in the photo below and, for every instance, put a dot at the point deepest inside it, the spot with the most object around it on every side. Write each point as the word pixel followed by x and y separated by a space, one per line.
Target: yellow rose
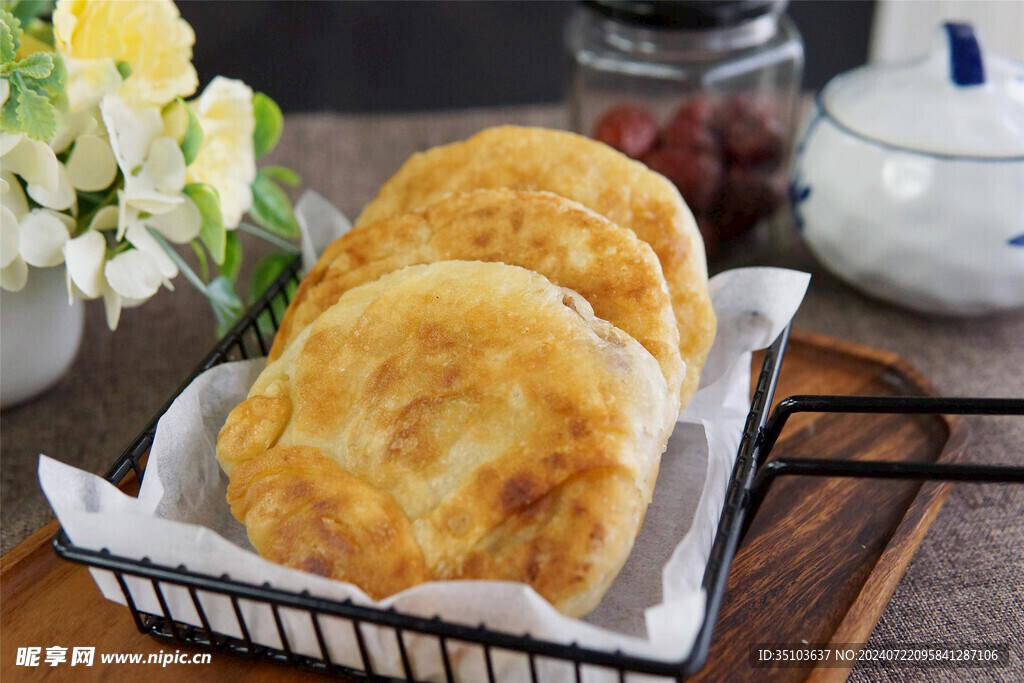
pixel 149 35
pixel 227 158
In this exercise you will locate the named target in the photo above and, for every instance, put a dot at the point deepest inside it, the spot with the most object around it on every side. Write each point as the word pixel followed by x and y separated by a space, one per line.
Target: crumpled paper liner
pixel 653 609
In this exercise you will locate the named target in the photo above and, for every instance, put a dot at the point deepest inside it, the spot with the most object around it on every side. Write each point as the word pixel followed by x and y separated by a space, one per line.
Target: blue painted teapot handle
pixel 965 64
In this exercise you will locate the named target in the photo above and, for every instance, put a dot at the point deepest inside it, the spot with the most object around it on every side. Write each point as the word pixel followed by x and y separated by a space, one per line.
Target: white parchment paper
pixel 653 609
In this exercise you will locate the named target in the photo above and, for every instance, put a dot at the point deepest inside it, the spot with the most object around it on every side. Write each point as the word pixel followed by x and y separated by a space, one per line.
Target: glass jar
pixel 704 92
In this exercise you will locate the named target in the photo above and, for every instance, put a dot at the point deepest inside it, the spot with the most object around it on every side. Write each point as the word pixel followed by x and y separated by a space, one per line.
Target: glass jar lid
pixel 685 14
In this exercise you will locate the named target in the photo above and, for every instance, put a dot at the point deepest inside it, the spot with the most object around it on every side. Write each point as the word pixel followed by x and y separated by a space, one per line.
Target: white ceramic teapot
pixel 909 179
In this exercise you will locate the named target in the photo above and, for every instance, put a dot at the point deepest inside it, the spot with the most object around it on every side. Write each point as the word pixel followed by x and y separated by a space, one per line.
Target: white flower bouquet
pixel 104 166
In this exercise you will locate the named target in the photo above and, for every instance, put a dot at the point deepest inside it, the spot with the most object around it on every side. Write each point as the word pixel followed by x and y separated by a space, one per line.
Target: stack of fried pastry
pixel 478 381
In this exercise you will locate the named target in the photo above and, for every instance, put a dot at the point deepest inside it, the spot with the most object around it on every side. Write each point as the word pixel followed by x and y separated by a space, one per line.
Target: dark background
pixel 406 56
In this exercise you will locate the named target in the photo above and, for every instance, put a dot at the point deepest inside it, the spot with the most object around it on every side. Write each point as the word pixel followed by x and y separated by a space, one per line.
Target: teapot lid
pixel 956 101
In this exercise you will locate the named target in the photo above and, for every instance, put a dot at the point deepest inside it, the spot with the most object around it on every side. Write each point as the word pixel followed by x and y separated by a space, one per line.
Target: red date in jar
pixel 630 129
pixel 725 157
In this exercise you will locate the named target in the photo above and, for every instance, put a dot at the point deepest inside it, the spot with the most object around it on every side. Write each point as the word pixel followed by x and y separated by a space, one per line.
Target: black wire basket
pixel 751 478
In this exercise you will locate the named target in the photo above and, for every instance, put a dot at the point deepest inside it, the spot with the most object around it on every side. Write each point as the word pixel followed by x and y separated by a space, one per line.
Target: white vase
pixel 39 335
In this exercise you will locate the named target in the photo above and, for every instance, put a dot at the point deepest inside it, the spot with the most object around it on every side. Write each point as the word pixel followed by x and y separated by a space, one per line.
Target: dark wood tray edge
pixel 878 588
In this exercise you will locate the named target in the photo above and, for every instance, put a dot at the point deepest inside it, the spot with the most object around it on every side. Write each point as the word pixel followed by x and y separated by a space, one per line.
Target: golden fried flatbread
pixel 595 175
pixel 560 239
pixel 458 420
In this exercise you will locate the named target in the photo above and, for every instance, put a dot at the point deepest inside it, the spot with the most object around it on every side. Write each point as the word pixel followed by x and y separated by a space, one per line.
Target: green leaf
pixel 211 232
pixel 266 272
pixel 37 65
pixel 269 122
pixel 285 175
pixel 55 81
pixel 60 101
pixel 27 10
pixel 271 207
pixel 224 301
pixel 36 115
pixel 8 117
pixel 10 37
pixel 200 252
pixel 232 256
pixel 40 30
pixel 124 68
pixel 193 139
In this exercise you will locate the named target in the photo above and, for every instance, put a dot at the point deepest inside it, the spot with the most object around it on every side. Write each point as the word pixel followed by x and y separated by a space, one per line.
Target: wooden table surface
pixel 966 583
pixel 105 626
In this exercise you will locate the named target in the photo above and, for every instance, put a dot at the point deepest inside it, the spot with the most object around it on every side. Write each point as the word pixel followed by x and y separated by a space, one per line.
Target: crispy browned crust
pixel 501 416
pixel 253 426
pixel 302 510
pixel 591 173
pixel 563 543
pixel 572 246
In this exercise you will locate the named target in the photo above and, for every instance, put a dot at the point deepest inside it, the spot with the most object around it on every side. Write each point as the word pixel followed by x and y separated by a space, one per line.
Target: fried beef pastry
pixel 617 273
pixel 458 420
pixel 591 173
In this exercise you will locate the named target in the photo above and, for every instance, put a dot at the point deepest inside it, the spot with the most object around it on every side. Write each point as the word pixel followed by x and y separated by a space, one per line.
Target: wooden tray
pixel 819 563
pixel 823 555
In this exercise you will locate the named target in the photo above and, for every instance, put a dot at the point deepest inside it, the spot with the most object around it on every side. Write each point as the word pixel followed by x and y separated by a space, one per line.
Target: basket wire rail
pixel 752 477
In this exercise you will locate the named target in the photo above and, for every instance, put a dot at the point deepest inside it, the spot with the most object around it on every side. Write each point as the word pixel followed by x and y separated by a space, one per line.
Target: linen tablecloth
pixel 964 585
